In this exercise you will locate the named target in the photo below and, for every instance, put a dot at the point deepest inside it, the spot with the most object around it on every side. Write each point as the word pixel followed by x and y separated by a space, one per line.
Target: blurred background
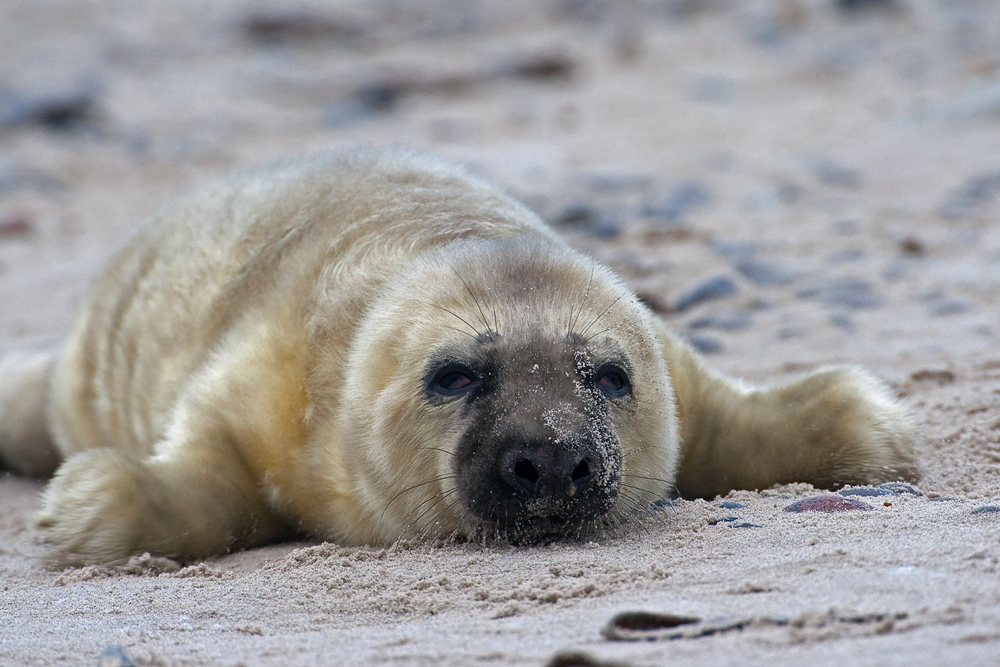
pixel 789 182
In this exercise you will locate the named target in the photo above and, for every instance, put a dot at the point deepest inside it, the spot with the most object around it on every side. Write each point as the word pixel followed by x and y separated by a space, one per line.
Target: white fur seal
pixel 372 344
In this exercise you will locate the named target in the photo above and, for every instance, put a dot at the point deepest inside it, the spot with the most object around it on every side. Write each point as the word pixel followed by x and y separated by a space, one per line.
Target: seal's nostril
pixel 581 472
pixel 524 469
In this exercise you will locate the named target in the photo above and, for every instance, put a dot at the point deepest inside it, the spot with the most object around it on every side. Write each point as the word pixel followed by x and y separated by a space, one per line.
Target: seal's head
pixel 509 388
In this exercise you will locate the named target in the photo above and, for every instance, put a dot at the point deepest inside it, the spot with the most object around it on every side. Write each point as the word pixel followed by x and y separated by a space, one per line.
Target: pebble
pixel 16 226
pixel 846 256
pixel 682 199
pixel 900 488
pixel 275 29
pixel 763 274
pixel 589 11
pixel 830 172
pixel 705 344
pixel 742 257
pixel 912 246
pixel 381 96
pixel 853 6
pixel 978 190
pixel 948 307
pixel 829 504
pixel 731 505
pixel 614 181
pixel 726 519
pixel 542 67
pixel 987 509
pixel 941 376
pixel 654 301
pixel 845 292
pixel 842 322
pixel 63 110
pixel 845 227
pixel 727 322
pixel 867 491
pixel 632 625
pixel 587 219
pixel 716 287
pixel 660 504
pixel 579 659
pixel 114 656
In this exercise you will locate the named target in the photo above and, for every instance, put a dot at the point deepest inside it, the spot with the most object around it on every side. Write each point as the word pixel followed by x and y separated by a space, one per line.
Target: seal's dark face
pixel 539 455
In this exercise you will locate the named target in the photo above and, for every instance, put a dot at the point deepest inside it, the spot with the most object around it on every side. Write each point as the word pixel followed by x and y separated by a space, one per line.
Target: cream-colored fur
pixel 253 364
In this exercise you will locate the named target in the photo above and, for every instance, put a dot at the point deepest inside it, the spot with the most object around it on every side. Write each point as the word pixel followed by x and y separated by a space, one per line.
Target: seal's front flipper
pixel 835 426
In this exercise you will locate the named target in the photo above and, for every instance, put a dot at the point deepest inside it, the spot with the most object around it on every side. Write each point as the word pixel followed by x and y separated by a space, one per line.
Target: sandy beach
pixel 789 183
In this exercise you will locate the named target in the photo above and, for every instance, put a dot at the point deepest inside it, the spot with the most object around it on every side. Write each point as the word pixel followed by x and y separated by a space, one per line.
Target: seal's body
pixel 372 344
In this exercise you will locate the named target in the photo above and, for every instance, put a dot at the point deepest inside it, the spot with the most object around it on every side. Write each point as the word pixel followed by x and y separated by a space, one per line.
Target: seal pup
pixel 371 344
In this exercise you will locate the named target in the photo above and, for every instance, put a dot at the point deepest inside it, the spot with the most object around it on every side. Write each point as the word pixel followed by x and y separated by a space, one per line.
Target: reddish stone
pixel 829 504
pixel 16 225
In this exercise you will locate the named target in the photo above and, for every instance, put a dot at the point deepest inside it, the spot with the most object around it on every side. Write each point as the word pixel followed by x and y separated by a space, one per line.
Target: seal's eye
pixel 453 380
pixel 613 381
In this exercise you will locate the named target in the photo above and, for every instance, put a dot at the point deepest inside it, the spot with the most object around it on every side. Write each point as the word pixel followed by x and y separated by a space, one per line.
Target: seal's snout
pixel 539 474
pixel 543 486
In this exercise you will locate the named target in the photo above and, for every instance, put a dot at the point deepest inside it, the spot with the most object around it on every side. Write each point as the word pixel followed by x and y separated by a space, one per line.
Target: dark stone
pixel 682 199
pixel 716 287
pixel 845 227
pixel 830 172
pixel 603 228
pixel 588 11
pixel 846 256
pixel 948 307
pixel 276 28
pixel 727 519
pixel 978 190
pixel 63 111
pixel 380 96
pixel 912 246
pixel 579 659
pixel 654 301
pixel 16 226
pixel 846 293
pixel 829 504
pixel 588 220
pixel 705 344
pixel 900 488
pixel 842 321
pixel 114 656
pixel 789 193
pixel 741 256
pixel 940 376
pixel 734 251
pixel 729 322
pixel 856 6
pixel 610 181
pixel 544 66
pixel 987 509
pixel 730 505
pixel 867 491
pixel 575 214
pixel 632 625
pixel 660 505
pixel 762 273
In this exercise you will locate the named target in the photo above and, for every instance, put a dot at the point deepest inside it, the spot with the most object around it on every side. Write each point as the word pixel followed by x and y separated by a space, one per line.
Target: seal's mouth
pixel 535 520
